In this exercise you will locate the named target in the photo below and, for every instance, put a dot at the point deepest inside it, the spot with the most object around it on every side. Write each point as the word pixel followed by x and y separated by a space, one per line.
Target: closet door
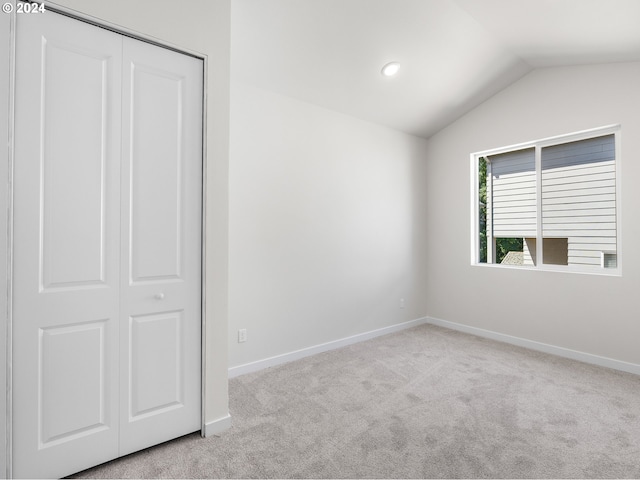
pixel 161 244
pixel 107 246
pixel 66 283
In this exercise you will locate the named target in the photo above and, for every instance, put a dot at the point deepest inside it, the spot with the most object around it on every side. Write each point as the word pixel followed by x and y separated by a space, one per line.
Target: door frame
pixel 7 50
pixel 7 90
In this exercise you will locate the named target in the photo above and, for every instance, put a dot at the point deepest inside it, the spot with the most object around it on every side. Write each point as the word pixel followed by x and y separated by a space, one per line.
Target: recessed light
pixel 390 69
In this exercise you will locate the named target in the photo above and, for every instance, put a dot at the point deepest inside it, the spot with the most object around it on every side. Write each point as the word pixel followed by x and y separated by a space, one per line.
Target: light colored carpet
pixel 422 403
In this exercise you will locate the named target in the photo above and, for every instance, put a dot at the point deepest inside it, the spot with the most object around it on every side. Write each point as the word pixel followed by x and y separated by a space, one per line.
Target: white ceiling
pixel 454 54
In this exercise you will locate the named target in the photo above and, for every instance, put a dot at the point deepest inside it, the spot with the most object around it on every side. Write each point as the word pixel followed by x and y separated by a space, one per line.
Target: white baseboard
pixel 324 347
pixel 217 426
pixel 541 347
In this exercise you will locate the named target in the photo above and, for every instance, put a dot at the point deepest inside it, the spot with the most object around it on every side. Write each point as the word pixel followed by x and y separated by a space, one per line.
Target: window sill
pixel 610 272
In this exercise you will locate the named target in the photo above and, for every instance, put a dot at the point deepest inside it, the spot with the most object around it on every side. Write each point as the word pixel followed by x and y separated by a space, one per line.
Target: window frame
pixel 538 145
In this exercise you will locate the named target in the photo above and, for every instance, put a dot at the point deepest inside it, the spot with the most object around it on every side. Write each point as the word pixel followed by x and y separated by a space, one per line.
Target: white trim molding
pixel 323 347
pixel 540 347
pixel 7 42
pixel 217 426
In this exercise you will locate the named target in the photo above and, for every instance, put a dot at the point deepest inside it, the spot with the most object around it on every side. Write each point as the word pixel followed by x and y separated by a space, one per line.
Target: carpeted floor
pixel 422 403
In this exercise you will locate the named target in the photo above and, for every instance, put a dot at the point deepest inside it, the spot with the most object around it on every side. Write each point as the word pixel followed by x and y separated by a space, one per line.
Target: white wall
pixel 202 26
pixel 326 227
pixel 594 314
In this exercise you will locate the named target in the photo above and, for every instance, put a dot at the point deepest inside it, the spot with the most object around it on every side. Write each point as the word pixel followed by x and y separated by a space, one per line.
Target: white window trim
pixel 538 145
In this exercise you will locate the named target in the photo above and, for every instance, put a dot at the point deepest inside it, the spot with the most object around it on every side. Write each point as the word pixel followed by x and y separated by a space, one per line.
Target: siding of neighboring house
pixel 578 200
pixel 511 194
pixel 528 247
pixel 579 197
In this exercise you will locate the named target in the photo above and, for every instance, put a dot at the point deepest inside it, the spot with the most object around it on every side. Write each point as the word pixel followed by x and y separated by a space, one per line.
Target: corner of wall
pixel 217 222
pixel 218 426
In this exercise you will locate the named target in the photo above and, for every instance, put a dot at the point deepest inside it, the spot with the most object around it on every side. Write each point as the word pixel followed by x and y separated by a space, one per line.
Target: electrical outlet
pixel 242 335
pixel 402 303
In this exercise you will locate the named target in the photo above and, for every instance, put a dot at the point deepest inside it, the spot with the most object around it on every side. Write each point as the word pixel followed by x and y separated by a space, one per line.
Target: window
pixel 551 204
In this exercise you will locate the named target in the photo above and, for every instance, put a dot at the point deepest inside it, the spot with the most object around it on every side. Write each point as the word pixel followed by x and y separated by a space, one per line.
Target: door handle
pixel 159 296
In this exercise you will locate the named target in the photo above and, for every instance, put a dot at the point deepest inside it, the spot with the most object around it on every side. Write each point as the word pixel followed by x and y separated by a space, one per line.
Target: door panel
pixel 156 359
pixel 72 390
pixel 66 247
pixel 73 134
pixel 156 171
pixel 161 245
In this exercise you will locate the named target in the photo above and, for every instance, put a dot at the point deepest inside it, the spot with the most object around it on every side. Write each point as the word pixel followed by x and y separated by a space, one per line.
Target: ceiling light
pixel 390 69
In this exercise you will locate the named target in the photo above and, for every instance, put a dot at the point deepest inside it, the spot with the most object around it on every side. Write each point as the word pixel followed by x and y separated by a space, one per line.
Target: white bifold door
pixel 106 245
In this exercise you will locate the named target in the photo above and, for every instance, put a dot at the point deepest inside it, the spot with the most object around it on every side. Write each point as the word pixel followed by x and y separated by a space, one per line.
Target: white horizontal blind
pixel 579 197
pixel 511 191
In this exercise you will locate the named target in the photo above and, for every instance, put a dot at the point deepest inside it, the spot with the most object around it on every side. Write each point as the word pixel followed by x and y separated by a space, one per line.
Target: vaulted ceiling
pixel 454 54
